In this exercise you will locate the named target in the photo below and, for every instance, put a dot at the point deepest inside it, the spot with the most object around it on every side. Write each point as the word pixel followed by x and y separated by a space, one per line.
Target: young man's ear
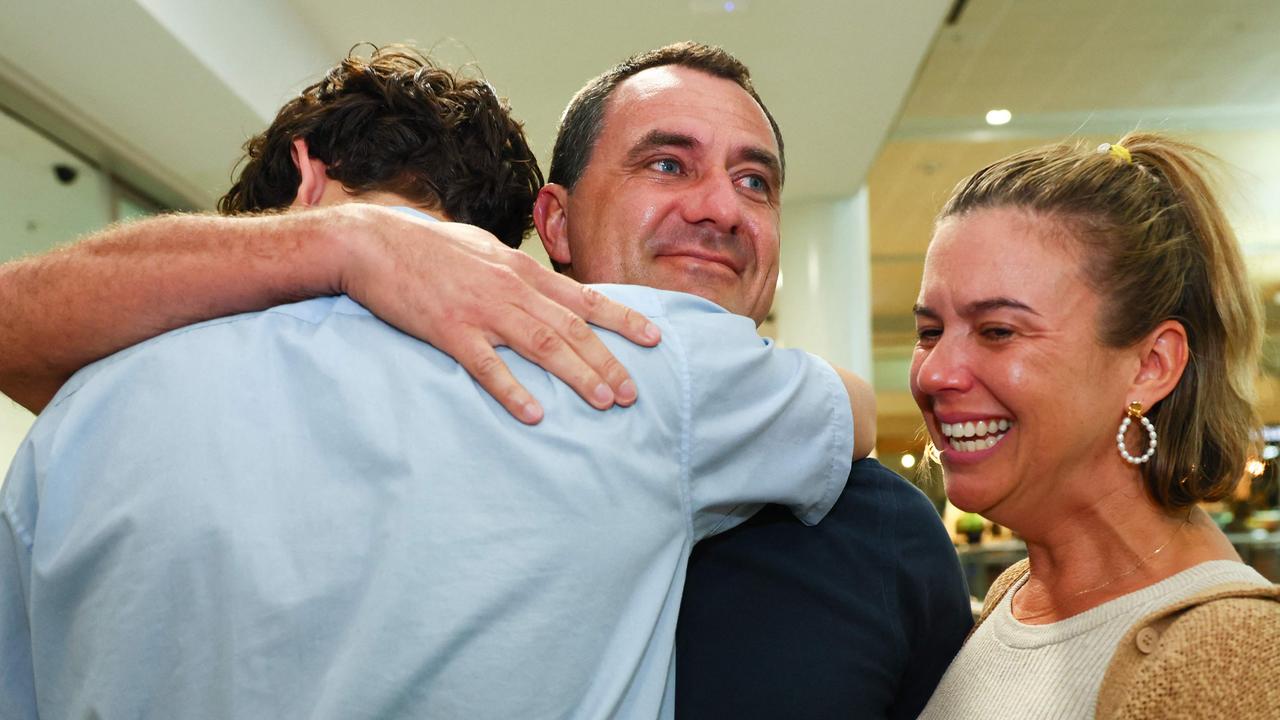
pixel 552 220
pixel 314 175
pixel 1164 358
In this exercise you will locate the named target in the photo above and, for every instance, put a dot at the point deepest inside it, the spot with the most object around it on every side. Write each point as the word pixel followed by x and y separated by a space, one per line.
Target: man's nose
pixel 714 201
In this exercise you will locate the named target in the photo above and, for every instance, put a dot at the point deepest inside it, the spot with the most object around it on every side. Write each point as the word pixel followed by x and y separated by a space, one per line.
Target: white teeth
pixel 969 446
pixel 980 429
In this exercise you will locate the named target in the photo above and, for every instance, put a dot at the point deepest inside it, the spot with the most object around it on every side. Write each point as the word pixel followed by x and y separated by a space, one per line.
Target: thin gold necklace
pixel 1141 563
pixel 1121 576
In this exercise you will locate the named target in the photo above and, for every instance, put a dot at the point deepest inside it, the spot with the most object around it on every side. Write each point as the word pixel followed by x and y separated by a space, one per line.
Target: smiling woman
pixel 1086 343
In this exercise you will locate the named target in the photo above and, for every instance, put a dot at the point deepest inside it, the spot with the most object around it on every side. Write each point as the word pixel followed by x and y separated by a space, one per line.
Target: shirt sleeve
pixel 765 424
pixel 17 674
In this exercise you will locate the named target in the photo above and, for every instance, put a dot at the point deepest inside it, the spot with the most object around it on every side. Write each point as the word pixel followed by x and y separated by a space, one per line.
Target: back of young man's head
pixel 396 123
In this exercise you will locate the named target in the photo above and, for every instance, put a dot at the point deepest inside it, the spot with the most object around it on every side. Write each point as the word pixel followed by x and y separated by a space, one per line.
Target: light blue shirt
pixel 303 513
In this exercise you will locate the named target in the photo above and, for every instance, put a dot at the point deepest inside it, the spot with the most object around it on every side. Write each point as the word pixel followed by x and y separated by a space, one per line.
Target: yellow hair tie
pixel 1116 150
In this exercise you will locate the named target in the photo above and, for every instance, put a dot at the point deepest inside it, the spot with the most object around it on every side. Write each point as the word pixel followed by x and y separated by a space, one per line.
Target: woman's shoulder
pixel 1232 613
pixel 1178 657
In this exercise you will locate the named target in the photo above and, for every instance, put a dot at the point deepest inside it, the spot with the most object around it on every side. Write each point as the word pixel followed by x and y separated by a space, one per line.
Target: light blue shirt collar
pixel 415 212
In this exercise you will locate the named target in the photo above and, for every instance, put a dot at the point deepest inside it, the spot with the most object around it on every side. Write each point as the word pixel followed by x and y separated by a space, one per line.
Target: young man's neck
pixel 335 194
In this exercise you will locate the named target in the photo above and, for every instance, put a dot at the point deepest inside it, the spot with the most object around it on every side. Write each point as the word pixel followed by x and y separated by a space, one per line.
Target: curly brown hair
pixel 396 122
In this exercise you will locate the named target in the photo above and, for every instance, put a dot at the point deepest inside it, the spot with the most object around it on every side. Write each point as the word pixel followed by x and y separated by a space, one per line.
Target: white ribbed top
pixel 1009 669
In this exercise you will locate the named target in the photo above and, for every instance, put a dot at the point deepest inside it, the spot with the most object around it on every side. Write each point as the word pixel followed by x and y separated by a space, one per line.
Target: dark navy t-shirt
pixel 856 617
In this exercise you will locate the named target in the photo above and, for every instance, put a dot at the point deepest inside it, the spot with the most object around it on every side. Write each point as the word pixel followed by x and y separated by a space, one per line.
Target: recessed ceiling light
pixel 999 116
pixel 720 7
pixel 908 461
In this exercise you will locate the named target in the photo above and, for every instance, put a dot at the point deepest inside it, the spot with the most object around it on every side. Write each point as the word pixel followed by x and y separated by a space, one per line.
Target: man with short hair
pixel 667 171
pixel 859 616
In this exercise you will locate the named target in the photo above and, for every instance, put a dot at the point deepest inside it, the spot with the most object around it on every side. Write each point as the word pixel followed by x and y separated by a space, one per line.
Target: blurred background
pixel 116 109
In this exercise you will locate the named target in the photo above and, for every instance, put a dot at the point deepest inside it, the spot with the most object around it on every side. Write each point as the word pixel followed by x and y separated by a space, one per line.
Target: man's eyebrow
pixel 765 158
pixel 655 139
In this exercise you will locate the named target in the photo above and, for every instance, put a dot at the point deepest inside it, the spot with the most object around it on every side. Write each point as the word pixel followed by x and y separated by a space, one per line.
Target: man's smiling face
pixel 681 193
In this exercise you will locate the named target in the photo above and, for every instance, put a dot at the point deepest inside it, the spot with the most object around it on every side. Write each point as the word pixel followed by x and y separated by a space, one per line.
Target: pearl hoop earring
pixel 1135 411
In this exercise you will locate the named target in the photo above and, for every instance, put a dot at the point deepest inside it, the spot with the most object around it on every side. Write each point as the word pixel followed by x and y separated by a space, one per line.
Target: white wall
pixel 824 304
pixel 15 421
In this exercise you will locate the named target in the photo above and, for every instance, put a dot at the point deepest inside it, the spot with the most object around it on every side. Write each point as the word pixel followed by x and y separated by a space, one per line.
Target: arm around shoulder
pixel 452 285
pixel 132 281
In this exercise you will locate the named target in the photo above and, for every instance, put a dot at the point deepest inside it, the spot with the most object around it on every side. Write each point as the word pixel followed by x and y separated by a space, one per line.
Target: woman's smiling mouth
pixel 970 436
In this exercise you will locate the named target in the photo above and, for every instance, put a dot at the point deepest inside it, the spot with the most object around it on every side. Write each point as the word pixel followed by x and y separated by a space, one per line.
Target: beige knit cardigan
pixel 1213 655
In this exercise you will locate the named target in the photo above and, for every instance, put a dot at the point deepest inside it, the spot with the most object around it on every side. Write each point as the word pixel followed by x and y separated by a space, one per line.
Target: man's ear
pixel 551 217
pixel 314 175
pixel 1164 355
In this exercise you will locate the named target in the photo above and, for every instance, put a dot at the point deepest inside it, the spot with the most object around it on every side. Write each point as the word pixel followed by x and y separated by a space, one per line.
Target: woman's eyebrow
pixel 977 307
pixel 997 303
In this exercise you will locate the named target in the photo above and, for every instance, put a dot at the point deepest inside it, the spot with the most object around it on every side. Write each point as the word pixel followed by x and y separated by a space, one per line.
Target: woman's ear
pixel 314 175
pixel 1164 356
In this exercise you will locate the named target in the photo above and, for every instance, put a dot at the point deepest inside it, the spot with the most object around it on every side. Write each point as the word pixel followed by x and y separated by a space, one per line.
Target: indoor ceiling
pixel 174 87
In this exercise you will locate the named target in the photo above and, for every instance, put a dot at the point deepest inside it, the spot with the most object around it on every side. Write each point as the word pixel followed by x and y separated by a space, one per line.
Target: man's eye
pixel 928 335
pixel 997 333
pixel 755 183
pixel 666 165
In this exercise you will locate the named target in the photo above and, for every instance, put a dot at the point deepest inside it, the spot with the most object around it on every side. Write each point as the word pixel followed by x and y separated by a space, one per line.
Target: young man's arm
pixel 862 401
pixel 454 286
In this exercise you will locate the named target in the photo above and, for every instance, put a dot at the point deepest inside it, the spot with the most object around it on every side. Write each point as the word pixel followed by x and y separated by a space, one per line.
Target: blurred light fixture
pixel 1254 467
pixel 999 116
pixel 1270 452
pixel 719 7
pixel 908 461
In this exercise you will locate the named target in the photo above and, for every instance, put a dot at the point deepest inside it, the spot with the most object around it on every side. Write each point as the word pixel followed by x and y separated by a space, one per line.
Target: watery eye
pixel 666 165
pixel 756 183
